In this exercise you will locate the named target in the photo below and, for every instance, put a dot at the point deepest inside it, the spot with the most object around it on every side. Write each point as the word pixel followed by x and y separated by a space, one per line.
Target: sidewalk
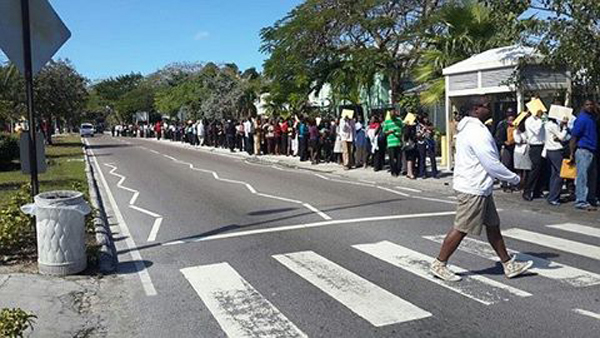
pixel 79 306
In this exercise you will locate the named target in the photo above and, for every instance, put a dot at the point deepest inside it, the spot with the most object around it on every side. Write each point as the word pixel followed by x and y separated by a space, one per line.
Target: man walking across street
pixel 584 143
pixel 477 165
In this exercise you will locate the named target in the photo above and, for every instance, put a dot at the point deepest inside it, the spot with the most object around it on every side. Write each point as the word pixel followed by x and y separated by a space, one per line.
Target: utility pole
pixel 29 92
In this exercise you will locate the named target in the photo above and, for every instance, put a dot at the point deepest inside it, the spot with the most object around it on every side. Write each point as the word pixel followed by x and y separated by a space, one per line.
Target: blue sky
pixel 112 37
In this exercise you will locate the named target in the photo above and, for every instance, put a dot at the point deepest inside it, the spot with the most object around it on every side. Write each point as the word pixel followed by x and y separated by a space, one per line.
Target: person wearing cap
pixel 477 165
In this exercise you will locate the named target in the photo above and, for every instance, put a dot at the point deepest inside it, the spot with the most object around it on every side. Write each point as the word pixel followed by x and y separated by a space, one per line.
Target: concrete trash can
pixel 60 224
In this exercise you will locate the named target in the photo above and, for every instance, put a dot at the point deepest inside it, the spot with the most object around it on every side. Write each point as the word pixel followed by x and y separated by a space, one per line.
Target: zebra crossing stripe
pixel 577 228
pixel 479 288
pixel 369 301
pixel 240 310
pixel 549 269
pixel 581 249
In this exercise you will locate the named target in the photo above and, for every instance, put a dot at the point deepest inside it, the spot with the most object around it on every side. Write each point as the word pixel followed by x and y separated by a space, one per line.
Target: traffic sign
pixel 48 33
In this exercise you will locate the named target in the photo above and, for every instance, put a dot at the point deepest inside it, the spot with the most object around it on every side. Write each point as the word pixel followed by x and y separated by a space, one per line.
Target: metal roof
pixel 494 58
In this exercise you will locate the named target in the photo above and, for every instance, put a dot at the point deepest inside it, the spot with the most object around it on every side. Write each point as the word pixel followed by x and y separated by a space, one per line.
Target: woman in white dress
pixel 337 146
pixel 522 162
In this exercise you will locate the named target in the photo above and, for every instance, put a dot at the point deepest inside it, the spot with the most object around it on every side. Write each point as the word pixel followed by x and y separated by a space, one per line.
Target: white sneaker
pixel 512 268
pixel 440 270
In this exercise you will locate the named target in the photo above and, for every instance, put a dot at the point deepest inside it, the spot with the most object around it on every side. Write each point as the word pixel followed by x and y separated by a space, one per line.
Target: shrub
pixel 14 322
pixel 9 148
pixel 16 231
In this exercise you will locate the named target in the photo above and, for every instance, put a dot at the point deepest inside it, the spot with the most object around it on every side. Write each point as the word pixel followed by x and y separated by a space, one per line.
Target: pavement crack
pixel 3 282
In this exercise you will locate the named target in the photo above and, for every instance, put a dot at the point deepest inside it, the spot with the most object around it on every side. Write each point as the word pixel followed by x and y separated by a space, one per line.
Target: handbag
pixel 568 171
pixel 409 145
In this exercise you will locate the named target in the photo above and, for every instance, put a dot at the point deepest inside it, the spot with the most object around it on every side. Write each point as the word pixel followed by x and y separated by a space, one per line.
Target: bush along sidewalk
pixel 17 232
pixel 15 322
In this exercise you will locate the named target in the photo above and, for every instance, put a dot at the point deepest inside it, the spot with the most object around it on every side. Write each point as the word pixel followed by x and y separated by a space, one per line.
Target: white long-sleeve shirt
pixel 477 160
pixel 535 131
pixel 553 133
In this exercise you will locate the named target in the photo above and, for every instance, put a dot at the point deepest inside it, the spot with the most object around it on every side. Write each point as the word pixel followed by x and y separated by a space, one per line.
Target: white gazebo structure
pixel 493 74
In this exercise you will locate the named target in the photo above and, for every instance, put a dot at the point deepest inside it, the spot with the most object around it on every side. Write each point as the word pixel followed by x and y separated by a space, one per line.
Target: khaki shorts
pixel 473 212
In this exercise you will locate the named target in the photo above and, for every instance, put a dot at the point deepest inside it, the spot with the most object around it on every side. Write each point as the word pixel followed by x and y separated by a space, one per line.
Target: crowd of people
pixel 349 141
pixel 531 144
pixel 535 145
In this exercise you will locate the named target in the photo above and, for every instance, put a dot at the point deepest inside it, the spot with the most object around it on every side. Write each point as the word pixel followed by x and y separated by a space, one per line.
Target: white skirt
pixel 337 146
pixel 521 157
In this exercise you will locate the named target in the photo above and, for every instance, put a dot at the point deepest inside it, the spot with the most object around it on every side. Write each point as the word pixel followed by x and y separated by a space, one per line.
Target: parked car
pixel 86 129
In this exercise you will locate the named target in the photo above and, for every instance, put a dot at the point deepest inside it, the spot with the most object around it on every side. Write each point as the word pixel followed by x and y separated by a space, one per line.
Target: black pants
pixel 283 149
pixel 395 155
pixel 249 144
pixel 555 158
pixel 231 142
pixel 379 159
pixel 426 151
pixel 533 185
pixel 303 148
pixel 315 151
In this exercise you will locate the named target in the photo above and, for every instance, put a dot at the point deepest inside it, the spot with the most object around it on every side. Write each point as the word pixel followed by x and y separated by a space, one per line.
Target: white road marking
pixel 389 190
pixel 240 310
pixel 279 198
pixel 410 189
pixel 277 168
pixel 155 228
pixel 134 197
pixel 433 199
pixel 313 225
pixel 479 288
pixel 577 228
pixel 141 268
pixel 153 151
pixel 393 191
pixel 549 269
pixel 317 211
pixel 144 211
pixel 581 249
pixel 369 182
pixel 157 222
pixel 587 313
pixel 369 301
pixel 251 189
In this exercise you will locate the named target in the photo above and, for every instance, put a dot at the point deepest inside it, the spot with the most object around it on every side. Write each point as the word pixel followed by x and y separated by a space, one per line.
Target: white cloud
pixel 201 35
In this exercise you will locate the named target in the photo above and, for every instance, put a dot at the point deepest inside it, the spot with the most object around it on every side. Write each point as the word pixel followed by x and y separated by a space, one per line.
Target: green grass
pixel 65 170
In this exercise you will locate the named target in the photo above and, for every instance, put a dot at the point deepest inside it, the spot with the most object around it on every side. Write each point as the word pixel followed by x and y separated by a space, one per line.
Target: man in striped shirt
pixel 392 128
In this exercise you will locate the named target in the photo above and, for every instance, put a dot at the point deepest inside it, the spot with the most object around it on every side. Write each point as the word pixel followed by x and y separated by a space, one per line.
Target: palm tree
pixel 459 30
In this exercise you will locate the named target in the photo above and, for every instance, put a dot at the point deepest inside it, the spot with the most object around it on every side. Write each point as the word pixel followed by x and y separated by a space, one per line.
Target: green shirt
pixel 394 139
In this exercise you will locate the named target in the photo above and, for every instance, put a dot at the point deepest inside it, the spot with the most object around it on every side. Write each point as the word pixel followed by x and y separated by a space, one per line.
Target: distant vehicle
pixel 86 129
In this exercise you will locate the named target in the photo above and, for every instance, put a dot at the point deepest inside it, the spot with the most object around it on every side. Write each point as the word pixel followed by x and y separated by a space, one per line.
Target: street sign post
pixel 30 34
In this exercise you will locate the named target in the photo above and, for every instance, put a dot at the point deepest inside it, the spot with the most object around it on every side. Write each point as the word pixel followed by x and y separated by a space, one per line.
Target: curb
pixel 108 254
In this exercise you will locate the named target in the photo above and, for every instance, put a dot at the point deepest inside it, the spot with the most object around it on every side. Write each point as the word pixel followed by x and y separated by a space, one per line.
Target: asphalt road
pixel 213 246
